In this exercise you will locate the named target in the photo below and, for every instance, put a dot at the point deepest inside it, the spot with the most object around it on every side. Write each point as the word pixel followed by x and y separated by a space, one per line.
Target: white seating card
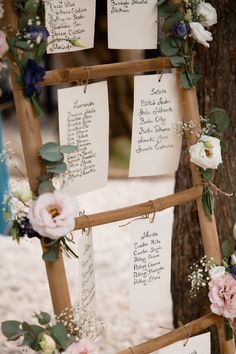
pixel 70 20
pixel 156 147
pixel 200 344
pixel 84 121
pixel 150 264
pixel 87 296
pixel 132 24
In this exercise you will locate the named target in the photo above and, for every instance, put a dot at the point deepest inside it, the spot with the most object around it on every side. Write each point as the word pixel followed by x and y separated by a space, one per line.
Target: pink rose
pixel 53 214
pixel 222 295
pixel 3 44
pixel 84 346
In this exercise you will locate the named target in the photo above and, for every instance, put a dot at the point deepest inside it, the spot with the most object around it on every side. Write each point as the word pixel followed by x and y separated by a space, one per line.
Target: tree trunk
pixel 217 88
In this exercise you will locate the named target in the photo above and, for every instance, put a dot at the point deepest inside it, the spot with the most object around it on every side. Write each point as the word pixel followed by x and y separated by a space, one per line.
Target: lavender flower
pixel 34 73
pixel 180 29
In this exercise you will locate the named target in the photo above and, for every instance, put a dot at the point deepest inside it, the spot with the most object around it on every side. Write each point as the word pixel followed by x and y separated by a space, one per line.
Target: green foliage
pixel 45 187
pixel 228 331
pixel 12 329
pixel 43 318
pixel 219 118
pixel 60 334
pixel 172 20
pixel 52 253
pixel 207 174
pixel 177 60
pixel 167 47
pixel 227 248
pixel 208 201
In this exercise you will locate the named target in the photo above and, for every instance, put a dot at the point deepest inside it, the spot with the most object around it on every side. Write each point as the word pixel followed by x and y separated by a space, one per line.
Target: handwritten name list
pixel 87 297
pixel 155 148
pixel 70 20
pixel 83 121
pixel 132 24
pixel 150 264
pixel 200 344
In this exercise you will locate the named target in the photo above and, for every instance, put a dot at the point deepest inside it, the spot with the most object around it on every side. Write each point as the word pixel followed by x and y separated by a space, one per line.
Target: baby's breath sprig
pixel 199 276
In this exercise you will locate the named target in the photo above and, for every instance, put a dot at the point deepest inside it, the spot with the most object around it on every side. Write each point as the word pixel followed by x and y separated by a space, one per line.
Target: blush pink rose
pixel 222 295
pixel 84 346
pixel 3 44
pixel 53 214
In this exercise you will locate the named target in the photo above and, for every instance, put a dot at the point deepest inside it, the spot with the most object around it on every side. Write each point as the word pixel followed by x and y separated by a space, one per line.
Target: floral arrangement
pixel 207 152
pixel 185 25
pixel 50 214
pixel 74 331
pixel 25 47
pixel 220 280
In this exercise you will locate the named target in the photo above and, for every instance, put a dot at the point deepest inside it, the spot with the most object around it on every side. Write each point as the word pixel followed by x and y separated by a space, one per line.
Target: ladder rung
pixel 191 328
pixel 81 73
pixel 149 207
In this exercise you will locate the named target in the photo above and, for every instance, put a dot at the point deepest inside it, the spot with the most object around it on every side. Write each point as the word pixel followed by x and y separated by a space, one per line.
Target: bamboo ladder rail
pixel 31 141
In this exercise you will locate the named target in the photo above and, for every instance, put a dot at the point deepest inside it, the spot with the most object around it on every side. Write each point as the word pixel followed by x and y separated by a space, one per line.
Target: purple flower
pixel 37 33
pixel 32 75
pixel 180 29
pixel 233 271
pixel 25 228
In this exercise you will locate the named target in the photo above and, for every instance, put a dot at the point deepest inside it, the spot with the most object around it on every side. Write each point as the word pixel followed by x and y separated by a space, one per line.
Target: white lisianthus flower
pixel 47 345
pixel 85 345
pixel 217 272
pixel 199 33
pixel 233 259
pixel 53 215
pixel 206 153
pixel 207 14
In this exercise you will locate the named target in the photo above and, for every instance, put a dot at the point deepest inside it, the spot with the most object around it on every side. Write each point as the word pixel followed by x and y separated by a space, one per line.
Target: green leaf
pixel 224 145
pixel 36 105
pixel 176 42
pixel 228 331
pixel 43 318
pixel 185 81
pixel 196 78
pixel 51 152
pixel 207 174
pixel 208 201
pixel 40 50
pixel 57 168
pixel 167 48
pixel 160 2
pixel 67 149
pixel 45 187
pixel 227 248
pixel 219 118
pixel 52 254
pixel 22 44
pixel 172 20
pixel 177 61
pixel 164 9
pixel 31 7
pixel 60 335
pixel 12 329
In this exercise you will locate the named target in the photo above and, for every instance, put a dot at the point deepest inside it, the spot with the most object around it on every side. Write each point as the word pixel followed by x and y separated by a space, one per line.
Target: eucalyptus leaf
pixel 61 335
pixel 185 80
pixel 67 149
pixel 177 60
pixel 160 2
pixel 227 248
pixel 45 187
pixel 167 48
pixel 172 20
pixel 50 152
pixel 164 9
pixel 51 255
pixel 22 44
pixel 57 168
pixel 31 7
pixel 219 118
pixel 43 318
pixel 12 329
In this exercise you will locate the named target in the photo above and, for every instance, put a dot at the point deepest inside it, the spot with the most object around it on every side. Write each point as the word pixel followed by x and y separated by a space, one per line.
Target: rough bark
pixel 217 88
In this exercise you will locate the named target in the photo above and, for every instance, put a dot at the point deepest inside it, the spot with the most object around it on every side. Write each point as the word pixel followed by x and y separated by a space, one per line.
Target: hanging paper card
pixel 132 24
pixel 150 264
pixel 195 345
pixel 156 147
pixel 87 298
pixel 83 121
pixel 70 25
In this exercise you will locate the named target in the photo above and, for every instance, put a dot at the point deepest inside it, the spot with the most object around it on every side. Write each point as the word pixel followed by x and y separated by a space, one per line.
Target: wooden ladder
pixel 31 142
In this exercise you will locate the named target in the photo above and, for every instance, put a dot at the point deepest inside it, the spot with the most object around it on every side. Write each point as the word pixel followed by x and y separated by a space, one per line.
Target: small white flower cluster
pixel 80 323
pixel 181 128
pixel 199 276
